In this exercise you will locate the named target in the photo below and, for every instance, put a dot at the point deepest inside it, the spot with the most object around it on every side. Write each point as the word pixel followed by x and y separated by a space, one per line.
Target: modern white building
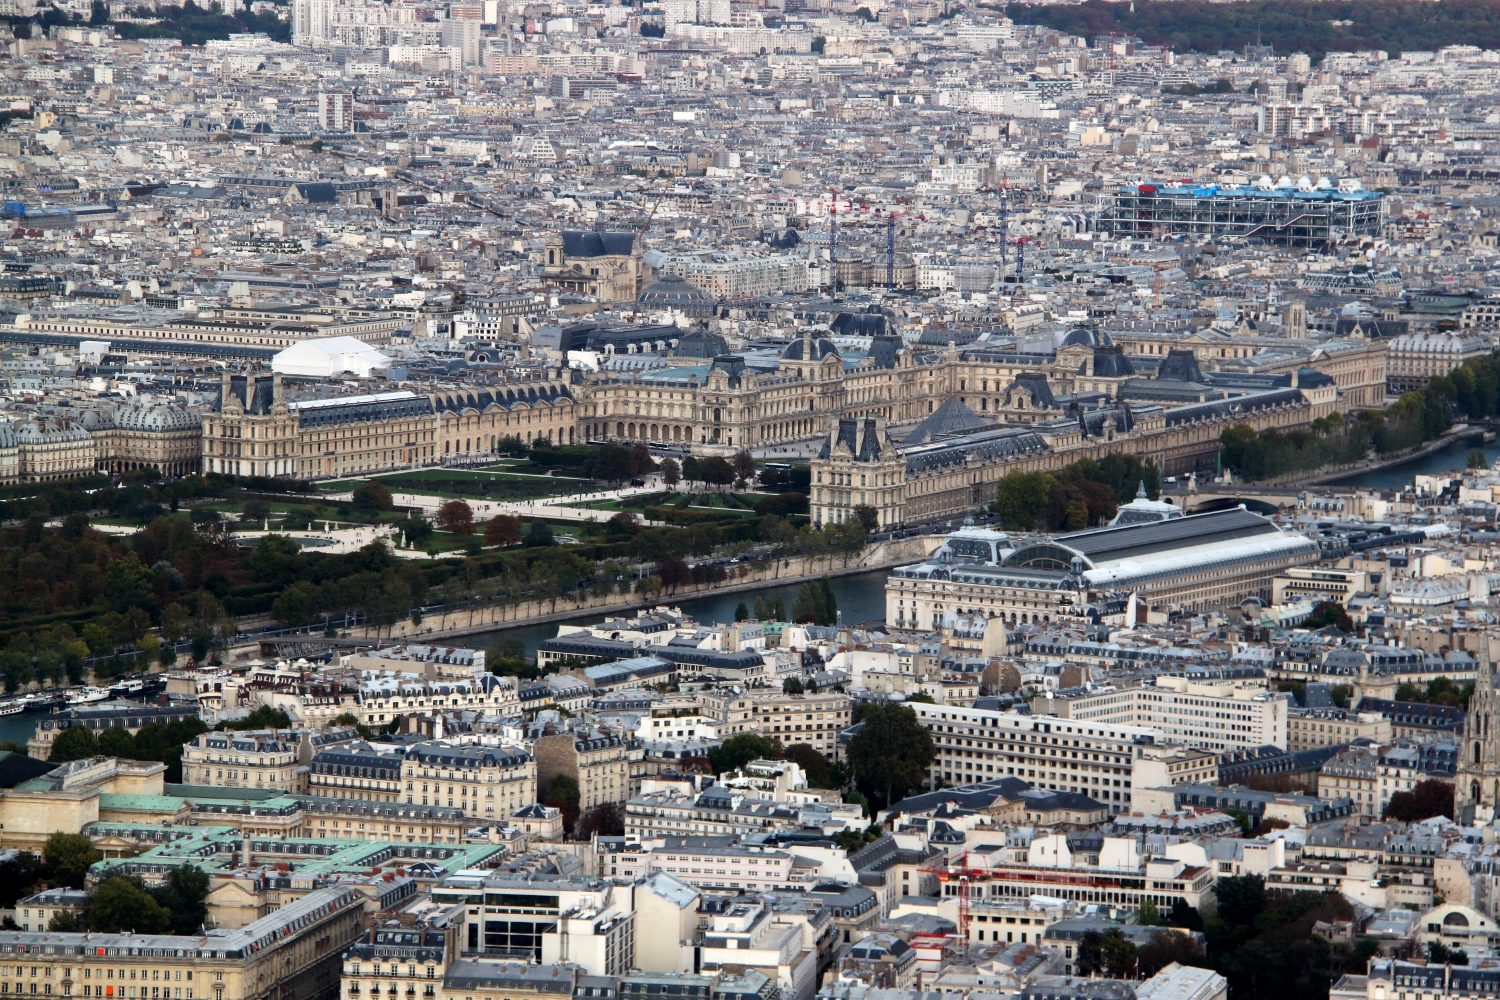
pixel 1210 715
pixel 329 356
pixel 1092 758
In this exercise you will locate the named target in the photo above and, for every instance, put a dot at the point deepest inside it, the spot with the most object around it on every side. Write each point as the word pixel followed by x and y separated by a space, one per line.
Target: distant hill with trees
pixel 1287 25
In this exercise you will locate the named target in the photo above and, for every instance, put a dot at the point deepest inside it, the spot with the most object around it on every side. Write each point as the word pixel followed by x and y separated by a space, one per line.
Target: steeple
pixel 1477 788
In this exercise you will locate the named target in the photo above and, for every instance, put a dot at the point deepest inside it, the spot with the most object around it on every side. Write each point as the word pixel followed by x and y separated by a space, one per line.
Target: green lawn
pixel 473 485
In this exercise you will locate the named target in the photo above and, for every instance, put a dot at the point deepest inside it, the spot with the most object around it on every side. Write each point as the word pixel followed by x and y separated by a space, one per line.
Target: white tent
pixel 329 356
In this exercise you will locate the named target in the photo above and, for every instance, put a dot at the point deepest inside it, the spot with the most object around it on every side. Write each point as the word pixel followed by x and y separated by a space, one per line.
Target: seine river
pixel 1454 456
pixel 861 596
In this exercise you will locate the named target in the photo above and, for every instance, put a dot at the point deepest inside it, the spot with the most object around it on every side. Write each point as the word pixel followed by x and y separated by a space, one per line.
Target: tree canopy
pixel 1075 497
pixel 737 751
pixel 1330 613
pixel 816 604
pixel 68 857
pixel 1262 941
pixel 1425 800
pixel 121 905
pixel 818 769
pixel 1286 25
pixel 891 752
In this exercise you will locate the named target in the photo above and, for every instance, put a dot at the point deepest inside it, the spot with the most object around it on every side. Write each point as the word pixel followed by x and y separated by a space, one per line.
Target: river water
pixel 1451 457
pixel 860 596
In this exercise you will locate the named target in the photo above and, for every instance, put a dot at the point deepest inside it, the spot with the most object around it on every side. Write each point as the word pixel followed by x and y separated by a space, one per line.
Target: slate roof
pixel 948 420
pixel 820 348
pixel 1033 382
pixel 17 767
pixel 987 446
pixel 974 797
pixel 865 447
pixel 1224 408
pixel 596 244
pixel 1414 713
pixel 860 324
pixel 1143 539
pixel 1111 362
pixel 318 192
pixel 1180 365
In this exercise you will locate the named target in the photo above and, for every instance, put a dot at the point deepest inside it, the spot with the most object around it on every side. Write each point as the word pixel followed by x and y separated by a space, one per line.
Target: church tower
pixel 1477 789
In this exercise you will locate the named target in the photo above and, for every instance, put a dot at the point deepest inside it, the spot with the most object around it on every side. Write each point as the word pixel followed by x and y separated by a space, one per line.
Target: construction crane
pixel 890 252
pixel 657 204
pixel 959 872
pixel 833 241
pixel 1021 257
pixel 1004 224
pixel 1158 267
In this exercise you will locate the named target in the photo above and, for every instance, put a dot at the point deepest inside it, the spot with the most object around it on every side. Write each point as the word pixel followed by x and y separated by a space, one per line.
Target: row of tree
pixel 1330 440
pixel 1310 26
pixel 1471 390
pixel 1261 941
pixel 88 595
pixel 1075 497
pixel 156 741
pixel 608 463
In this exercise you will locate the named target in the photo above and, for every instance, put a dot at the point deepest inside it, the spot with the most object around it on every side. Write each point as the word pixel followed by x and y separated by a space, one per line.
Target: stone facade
pixel 292 954
pixel 167 437
pixel 488 783
pixel 257 433
pixel 601 764
pixel 603 265
pixel 1083 401
pixel 959 468
pixel 48 448
pixel 1417 358
pixel 242 760
pixel 815 719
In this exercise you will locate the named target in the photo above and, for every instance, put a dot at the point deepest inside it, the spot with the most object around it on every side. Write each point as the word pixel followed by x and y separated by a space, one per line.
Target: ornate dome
pixel 1086 338
pixel 818 347
pixel 676 292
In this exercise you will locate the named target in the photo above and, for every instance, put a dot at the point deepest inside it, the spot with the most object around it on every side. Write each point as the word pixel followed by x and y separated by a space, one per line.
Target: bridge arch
pixel 1251 504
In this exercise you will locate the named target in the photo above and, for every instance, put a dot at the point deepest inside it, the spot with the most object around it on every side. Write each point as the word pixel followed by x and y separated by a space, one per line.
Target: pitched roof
pixel 953 417
pixel 597 244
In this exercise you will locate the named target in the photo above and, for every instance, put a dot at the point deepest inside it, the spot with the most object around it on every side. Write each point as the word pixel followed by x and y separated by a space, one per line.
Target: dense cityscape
pixel 749 500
